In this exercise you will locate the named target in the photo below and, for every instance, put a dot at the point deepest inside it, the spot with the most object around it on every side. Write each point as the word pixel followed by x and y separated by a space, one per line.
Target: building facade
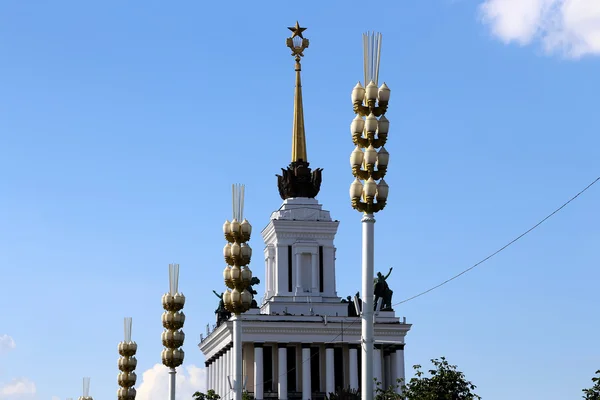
pixel 303 341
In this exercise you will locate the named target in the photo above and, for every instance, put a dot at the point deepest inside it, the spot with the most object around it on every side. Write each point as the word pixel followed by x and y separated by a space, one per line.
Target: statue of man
pixel 221 311
pixel 383 291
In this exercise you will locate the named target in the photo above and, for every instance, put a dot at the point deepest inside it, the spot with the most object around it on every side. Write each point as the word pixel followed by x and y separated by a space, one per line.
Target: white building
pixel 302 342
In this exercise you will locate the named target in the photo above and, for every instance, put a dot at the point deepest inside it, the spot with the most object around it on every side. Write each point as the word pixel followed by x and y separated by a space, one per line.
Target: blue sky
pixel 123 125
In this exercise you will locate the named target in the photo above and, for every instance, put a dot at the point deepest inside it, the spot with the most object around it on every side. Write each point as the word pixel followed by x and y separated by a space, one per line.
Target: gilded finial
pixel 298 180
pixel 296 30
pixel 298 43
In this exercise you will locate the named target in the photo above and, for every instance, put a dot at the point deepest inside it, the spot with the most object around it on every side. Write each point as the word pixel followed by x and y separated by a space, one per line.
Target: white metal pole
pixel 368 244
pixel 172 373
pixel 237 357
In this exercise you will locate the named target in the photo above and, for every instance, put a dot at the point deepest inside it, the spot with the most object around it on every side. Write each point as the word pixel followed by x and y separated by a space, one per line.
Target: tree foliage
pixel 444 383
pixel 344 394
pixel 593 393
pixel 209 395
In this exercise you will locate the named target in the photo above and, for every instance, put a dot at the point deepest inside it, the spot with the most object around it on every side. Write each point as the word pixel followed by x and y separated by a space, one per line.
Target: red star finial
pixel 296 30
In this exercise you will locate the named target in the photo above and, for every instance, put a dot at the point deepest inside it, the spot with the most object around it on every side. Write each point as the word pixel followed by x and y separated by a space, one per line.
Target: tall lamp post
pixel 173 320
pixel 369 133
pixel 127 363
pixel 237 277
pixel 86 390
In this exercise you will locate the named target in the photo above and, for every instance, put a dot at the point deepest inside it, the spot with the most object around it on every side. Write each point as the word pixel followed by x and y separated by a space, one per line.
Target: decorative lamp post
pixel 369 191
pixel 127 363
pixel 86 390
pixel 237 277
pixel 173 320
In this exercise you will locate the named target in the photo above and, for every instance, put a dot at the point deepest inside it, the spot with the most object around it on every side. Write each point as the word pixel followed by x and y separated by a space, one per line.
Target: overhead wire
pixel 502 248
pixel 344 329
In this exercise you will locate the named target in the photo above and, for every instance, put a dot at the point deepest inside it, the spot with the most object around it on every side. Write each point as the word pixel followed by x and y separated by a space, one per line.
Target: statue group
pixel 381 290
pixel 222 313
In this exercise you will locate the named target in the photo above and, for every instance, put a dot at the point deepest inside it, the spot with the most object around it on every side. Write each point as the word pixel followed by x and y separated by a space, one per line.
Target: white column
pixel 258 371
pixel 267 275
pixel 226 388
pixel 231 360
pixel 225 371
pixel 207 375
pixel 333 279
pixel 368 255
pixel 222 375
pixel 306 375
pixel 353 367
pixel 218 379
pixel 394 369
pixel 329 368
pixel 280 279
pixel 314 257
pixel 377 366
pixel 172 383
pixel 270 276
pixel 298 273
pixel 387 369
pixel 282 389
pixel 400 364
pixel 213 375
pixel 237 357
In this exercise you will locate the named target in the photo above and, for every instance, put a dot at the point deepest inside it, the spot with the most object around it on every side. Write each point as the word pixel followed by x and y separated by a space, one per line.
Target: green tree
pixel 594 392
pixel 344 394
pixel 444 383
pixel 210 395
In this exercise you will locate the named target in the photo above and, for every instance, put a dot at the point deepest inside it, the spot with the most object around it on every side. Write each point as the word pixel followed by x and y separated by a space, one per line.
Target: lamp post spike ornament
pixel 237 277
pixel 369 162
pixel 173 319
pixel 86 390
pixel 127 363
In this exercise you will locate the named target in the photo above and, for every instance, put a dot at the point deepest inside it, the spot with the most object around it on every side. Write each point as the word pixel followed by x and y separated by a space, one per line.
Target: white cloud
pixel 155 382
pixel 568 27
pixel 19 388
pixel 55 398
pixel 6 344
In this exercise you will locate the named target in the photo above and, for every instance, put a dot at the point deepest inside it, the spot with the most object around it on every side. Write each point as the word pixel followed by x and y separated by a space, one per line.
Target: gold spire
pixel 297 43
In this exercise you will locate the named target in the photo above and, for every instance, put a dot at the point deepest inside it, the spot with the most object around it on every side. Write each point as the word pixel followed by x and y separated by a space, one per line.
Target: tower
pixel 303 340
pixel 299 248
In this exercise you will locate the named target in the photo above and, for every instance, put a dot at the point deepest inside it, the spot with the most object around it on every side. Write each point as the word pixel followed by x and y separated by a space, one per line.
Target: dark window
pixel 321 269
pixel 268 368
pixel 359 367
pixel 315 373
pixel 289 268
pixel 291 369
pixel 338 369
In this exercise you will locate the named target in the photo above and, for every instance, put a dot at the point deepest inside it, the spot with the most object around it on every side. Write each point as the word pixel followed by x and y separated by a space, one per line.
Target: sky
pixel 123 125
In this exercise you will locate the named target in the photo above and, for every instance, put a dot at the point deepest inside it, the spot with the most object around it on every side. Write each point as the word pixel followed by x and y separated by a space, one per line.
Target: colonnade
pixel 388 368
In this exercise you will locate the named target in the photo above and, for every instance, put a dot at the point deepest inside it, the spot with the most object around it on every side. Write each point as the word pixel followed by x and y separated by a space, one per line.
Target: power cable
pixel 502 248
pixel 444 282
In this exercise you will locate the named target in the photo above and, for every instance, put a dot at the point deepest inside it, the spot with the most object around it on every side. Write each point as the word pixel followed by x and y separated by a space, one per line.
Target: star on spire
pixel 296 30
